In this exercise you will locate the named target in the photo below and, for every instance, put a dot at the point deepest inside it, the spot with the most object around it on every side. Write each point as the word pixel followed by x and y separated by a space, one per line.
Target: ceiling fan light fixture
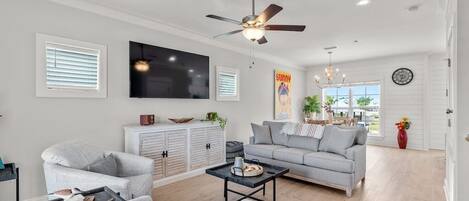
pixel 142 65
pixel 253 33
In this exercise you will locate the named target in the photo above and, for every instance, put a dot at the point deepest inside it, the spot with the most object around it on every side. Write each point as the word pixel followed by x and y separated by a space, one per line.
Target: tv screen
pixel 157 72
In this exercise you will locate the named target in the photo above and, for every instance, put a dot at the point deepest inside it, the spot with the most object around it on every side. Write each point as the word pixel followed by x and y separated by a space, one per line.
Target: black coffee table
pixel 271 172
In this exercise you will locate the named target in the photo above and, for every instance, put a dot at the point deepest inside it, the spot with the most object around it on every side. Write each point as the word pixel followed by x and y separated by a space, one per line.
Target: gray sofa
pixel 305 158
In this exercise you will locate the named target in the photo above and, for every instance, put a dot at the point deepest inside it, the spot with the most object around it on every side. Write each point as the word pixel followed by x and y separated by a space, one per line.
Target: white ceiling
pixel 383 28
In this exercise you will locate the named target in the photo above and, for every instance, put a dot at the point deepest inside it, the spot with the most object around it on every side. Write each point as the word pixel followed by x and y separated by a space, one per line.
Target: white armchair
pixel 64 166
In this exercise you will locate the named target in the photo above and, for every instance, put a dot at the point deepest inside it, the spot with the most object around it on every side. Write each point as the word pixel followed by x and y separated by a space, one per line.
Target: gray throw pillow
pixel 261 134
pixel 337 140
pixel 276 128
pixel 107 166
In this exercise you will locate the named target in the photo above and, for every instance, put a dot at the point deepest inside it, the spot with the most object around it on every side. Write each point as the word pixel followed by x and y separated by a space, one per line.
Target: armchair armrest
pixel 132 165
pixel 251 140
pixel 60 177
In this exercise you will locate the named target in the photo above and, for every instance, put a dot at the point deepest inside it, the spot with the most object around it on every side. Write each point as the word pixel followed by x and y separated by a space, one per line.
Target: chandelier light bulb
pixel 253 33
pixel 142 65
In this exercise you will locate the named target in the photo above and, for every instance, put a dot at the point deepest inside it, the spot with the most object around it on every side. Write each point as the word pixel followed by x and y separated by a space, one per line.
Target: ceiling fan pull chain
pixel 253 7
pixel 251 56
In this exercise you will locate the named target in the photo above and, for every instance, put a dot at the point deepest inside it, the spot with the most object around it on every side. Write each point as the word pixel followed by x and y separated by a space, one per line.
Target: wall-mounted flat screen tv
pixel 157 72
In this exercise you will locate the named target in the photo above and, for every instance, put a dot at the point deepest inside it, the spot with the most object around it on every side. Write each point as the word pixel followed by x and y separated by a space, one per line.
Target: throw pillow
pixel 107 166
pixel 337 140
pixel 261 134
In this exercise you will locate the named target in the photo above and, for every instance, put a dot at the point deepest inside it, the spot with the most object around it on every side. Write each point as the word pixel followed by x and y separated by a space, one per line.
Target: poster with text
pixel 283 87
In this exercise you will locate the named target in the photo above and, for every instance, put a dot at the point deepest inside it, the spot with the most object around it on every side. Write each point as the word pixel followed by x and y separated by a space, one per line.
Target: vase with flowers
pixel 402 126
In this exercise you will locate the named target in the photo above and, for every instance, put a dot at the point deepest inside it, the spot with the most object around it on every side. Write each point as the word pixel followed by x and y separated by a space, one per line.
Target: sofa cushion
pixel 337 140
pixel 329 161
pixel 261 150
pixel 107 166
pixel 276 131
pixel 261 134
pixel 303 142
pixel 362 134
pixel 292 155
pixel 73 154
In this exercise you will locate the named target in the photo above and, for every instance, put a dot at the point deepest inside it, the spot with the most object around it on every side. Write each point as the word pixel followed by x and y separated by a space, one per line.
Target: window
pixel 227 84
pixel 360 101
pixel 70 68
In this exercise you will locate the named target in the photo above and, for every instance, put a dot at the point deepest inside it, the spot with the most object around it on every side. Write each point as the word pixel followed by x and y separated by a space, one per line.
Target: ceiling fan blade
pixel 229 33
pixel 261 41
pixel 269 12
pixel 224 19
pixel 285 27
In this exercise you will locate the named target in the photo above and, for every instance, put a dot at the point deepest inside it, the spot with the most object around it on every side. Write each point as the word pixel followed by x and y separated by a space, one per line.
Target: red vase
pixel 402 138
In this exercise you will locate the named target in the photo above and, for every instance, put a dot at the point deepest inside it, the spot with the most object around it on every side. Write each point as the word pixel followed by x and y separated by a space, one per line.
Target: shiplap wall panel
pixel 397 101
pixel 438 101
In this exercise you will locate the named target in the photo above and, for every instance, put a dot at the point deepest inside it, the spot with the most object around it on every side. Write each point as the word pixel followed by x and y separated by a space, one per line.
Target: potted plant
pixel 213 117
pixel 330 100
pixel 402 126
pixel 312 106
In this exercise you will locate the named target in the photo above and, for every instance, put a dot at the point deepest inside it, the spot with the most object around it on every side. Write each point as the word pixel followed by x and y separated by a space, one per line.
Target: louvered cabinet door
pixel 152 146
pixel 216 139
pixel 176 145
pixel 198 148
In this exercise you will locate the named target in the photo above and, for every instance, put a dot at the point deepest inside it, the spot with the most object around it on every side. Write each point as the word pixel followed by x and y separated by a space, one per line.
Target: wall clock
pixel 402 76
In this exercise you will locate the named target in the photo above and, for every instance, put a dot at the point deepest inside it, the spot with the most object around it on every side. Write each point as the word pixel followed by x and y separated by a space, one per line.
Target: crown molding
pixel 169 29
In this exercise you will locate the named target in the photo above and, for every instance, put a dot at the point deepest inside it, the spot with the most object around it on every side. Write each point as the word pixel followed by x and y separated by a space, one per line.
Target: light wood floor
pixel 392 175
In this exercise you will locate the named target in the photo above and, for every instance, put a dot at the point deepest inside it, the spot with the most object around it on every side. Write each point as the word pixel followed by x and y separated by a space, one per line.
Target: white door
pixel 176 147
pixel 451 134
pixel 152 146
pixel 198 148
pixel 216 141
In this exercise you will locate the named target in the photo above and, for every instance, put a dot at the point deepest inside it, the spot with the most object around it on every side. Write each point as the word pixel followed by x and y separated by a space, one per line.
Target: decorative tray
pixel 250 170
pixel 181 120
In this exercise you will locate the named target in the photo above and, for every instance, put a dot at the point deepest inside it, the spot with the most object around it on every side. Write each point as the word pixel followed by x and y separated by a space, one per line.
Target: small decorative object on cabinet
pixel 179 151
pixel 402 126
pixel 2 166
pixel 147 119
pixel 181 120
pixel 213 117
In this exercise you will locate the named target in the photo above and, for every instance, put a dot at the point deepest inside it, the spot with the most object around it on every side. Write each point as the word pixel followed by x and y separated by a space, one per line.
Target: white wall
pixel 397 101
pixel 31 124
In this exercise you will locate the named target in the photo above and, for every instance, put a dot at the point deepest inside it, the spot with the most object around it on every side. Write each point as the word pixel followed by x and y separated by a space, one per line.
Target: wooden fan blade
pixel 285 27
pixel 269 12
pixel 224 19
pixel 261 41
pixel 229 33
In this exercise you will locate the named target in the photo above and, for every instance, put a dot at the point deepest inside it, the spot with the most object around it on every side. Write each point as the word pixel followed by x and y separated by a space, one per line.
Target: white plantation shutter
pixel 69 67
pixel 227 84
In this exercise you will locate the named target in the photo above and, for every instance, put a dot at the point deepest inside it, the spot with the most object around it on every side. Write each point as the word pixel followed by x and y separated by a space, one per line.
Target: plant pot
pixel 402 138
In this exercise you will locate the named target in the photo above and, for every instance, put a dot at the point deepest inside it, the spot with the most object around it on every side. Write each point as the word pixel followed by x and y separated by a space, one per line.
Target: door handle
pixel 449 111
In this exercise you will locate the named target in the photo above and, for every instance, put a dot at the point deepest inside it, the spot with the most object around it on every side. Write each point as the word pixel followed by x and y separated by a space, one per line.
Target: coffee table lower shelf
pixel 270 174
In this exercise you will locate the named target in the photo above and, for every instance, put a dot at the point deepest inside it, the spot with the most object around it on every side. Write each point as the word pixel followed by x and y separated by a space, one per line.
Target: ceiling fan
pixel 254 26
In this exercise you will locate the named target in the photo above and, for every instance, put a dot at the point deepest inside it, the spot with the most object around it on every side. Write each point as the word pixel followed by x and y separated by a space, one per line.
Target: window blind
pixel 71 67
pixel 227 84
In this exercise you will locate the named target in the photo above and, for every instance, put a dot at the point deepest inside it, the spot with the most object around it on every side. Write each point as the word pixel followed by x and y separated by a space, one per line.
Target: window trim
pixel 227 70
pixel 42 90
pixel 381 133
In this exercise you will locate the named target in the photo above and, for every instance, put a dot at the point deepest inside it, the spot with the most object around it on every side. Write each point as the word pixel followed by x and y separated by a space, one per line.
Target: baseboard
pixel 182 176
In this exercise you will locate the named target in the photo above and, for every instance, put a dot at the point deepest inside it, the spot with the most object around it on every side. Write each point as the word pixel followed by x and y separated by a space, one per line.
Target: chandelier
pixel 332 76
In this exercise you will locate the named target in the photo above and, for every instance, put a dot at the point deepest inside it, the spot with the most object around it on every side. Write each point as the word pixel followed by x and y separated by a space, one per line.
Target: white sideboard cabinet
pixel 180 151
